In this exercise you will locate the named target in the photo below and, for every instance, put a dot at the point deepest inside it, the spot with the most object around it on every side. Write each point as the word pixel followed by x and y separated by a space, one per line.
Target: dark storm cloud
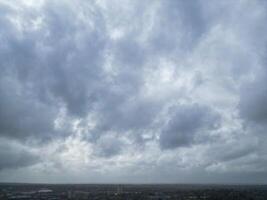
pixel 124 81
pixel 126 114
pixel 253 98
pixel 21 115
pixel 124 108
pixel 186 121
pixel 180 25
pixel 233 150
pixel 108 146
pixel 73 66
pixel 13 155
pixel 45 69
pixel 61 64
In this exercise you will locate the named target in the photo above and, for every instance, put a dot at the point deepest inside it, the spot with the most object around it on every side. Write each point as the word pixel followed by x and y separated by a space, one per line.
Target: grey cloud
pixel 22 115
pixel 46 69
pixel 129 53
pixel 239 147
pixel 253 98
pixel 123 108
pixel 108 146
pixel 179 25
pixel 253 112
pixel 127 114
pixel 186 121
pixel 62 58
pixel 14 155
pixel 73 64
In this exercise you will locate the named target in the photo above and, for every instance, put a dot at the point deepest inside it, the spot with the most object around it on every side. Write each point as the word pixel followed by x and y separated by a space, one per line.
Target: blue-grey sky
pixel 133 91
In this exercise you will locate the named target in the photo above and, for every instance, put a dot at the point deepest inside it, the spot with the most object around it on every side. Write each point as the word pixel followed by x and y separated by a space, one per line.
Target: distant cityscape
pixel 131 192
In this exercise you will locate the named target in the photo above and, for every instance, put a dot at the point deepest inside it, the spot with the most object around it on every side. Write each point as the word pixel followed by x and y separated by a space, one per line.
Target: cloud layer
pixel 133 91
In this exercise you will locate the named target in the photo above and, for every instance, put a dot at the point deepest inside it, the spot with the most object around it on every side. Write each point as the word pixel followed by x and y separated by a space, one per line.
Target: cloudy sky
pixel 133 91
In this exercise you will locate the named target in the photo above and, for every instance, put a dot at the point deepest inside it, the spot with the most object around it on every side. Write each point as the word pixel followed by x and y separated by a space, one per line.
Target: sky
pixel 133 91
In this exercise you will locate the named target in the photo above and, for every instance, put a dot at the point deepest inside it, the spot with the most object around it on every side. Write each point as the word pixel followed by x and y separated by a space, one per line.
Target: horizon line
pixel 109 183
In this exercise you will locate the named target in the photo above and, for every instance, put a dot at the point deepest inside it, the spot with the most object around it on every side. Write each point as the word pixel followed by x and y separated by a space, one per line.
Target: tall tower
pixel 119 189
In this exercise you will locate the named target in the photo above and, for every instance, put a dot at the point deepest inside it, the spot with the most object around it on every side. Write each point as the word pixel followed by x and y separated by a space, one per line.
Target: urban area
pixel 131 192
